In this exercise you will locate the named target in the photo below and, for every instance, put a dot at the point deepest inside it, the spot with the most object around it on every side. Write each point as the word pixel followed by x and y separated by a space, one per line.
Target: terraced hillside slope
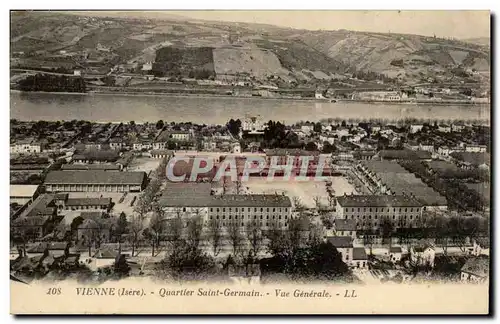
pixel 261 51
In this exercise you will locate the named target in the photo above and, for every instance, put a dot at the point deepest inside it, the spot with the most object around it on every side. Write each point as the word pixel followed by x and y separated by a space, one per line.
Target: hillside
pixel 261 51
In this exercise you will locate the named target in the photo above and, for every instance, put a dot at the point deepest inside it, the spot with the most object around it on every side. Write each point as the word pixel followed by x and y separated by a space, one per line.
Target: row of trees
pixel 52 83
pixel 445 230
pixel 458 195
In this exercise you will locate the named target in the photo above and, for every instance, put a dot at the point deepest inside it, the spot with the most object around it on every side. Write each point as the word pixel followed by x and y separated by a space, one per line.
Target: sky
pixel 457 23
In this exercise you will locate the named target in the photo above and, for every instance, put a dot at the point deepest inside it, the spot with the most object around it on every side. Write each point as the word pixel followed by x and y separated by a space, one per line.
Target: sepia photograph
pixel 250 162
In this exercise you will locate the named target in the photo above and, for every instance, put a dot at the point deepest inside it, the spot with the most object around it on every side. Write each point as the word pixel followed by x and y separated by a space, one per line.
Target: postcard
pixel 250 162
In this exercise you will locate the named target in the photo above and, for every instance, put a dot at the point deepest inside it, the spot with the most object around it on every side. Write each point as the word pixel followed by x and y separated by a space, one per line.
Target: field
pixel 145 164
pixel 305 190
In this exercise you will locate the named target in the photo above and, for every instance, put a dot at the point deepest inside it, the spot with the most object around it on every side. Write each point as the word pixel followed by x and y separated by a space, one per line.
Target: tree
pixel 214 235
pixel 442 232
pixel 234 127
pixel 174 228
pixel 387 228
pixel 121 225
pixel 297 204
pixel 143 205
pixel 311 146
pixel 234 236
pixel 194 232
pixel 156 228
pixel 368 240
pixel 136 226
pixel 254 236
pixel 326 262
pixel 317 202
pixel 185 259
pixel 160 124
pixel 276 239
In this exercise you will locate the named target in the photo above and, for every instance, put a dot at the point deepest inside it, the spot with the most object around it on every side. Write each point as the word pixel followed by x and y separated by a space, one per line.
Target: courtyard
pixel 306 191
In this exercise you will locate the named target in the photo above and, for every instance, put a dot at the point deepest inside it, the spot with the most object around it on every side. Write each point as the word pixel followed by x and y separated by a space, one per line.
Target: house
pixel 480 246
pixel 345 227
pixel 159 145
pixel 344 246
pixel 395 253
pixel 457 128
pixel 443 128
pixel 359 258
pixel 412 145
pixel 416 128
pixel 475 269
pixel 25 146
pixel 116 143
pixel 55 249
pixel 236 148
pixel 209 145
pixel 103 204
pixel 423 254
pixel 142 145
pixel 161 154
pixel 444 150
pixel 253 125
pixel 104 257
pixel 426 147
pixel 180 135
pixel 23 194
pixel 95 180
pixel 93 156
pixel 475 148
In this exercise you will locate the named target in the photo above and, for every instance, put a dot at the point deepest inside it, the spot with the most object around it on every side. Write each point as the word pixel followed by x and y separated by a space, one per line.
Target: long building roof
pixel 378 201
pixel 95 177
pixel 199 195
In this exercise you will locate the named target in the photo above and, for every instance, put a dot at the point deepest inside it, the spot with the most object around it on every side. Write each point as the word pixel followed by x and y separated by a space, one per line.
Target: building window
pixel 261 210
pixel 223 216
pixel 394 210
pixel 230 209
pixel 267 217
pixel 274 209
pixel 260 216
pixel 249 209
pixel 411 210
pixel 224 210
pixel 268 209
pixel 217 209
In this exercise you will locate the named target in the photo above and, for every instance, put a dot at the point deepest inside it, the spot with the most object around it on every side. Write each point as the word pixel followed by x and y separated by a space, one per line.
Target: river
pixel 218 110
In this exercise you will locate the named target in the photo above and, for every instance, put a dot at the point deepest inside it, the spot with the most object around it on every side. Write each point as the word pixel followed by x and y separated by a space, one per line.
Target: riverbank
pixel 224 96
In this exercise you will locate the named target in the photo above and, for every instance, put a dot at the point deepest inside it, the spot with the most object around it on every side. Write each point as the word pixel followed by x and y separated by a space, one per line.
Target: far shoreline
pixel 190 95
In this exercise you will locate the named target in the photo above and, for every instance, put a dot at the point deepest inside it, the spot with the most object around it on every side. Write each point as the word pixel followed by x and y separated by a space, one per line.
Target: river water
pixel 218 110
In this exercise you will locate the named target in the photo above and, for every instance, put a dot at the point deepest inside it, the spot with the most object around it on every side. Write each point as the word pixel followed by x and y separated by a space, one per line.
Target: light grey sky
pixel 457 23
